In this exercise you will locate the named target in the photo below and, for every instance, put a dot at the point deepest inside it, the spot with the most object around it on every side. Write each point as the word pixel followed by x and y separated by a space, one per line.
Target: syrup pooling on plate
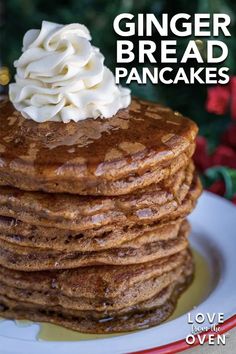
pixel 194 295
pixel 117 173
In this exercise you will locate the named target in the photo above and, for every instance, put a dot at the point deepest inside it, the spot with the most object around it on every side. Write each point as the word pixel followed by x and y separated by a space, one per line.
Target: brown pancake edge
pixel 103 281
pixel 149 313
pixel 29 259
pixel 23 234
pixel 78 213
pixel 93 234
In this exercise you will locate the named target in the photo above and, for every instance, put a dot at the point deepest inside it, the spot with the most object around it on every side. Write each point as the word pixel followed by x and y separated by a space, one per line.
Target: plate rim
pixel 181 345
pixel 162 348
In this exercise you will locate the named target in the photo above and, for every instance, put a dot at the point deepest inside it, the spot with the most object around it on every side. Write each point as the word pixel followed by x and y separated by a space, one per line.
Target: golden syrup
pixel 93 149
pixel 197 291
pixel 23 323
pixel 194 295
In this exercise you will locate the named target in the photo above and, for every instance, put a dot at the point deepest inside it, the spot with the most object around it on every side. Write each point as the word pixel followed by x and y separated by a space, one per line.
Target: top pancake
pixel 139 145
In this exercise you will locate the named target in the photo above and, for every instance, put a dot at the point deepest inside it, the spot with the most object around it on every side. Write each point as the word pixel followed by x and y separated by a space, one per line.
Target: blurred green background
pixel 17 16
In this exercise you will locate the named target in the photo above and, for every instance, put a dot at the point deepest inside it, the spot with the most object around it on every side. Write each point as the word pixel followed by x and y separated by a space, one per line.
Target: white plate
pixel 214 236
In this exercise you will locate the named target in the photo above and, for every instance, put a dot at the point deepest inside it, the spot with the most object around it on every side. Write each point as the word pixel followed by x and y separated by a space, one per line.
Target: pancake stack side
pixel 93 228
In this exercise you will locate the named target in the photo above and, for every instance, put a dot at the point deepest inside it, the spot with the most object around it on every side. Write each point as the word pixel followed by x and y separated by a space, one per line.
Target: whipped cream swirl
pixel 61 77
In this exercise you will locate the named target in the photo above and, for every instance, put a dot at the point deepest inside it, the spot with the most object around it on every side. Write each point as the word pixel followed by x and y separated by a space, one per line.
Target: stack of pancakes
pixel 93 234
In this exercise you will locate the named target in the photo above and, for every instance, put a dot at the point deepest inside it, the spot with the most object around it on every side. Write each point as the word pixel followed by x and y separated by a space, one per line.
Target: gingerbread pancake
pixel 93 230
pixel 31 259
pixel 112 300
pixel 23 234
pixel 140 145
pixel 81 213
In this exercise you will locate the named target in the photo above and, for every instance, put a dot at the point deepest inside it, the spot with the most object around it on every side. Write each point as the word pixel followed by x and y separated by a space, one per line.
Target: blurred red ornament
pixel 201 158
pixel 224 156
pixel 218 99
pixel 234 199
pixel 221 98
pixel 218 187
pixel 229 137
pixel 233 97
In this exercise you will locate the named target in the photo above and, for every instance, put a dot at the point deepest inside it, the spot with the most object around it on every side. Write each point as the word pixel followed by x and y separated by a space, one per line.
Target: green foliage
pixel 228 175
